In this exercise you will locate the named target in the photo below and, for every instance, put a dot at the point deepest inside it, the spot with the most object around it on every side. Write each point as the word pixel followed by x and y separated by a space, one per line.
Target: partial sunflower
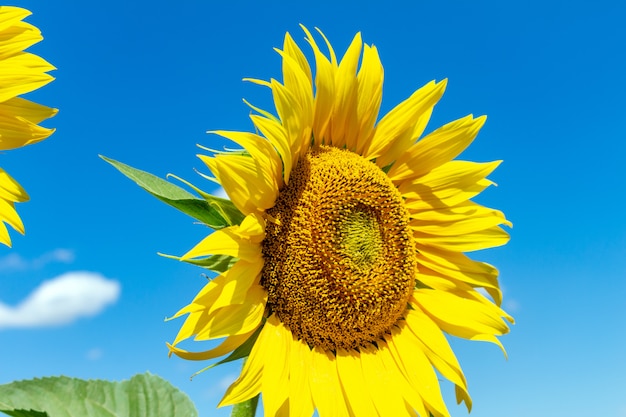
pixel 349 262
pixel 20 73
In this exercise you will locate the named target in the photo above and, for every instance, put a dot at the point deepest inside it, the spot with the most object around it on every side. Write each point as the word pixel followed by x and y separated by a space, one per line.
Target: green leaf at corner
pixel 216 213
pixel 144 395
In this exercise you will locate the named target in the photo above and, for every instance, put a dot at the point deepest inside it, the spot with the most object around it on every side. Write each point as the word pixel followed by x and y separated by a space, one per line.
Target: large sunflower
pixel 349 261
pixel 20 73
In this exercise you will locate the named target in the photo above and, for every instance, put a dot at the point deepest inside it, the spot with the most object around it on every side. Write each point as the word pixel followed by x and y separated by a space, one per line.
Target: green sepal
pixel 242 351
pixel 144 395
pixel 217 263
pixel 215 212
pixel 225 207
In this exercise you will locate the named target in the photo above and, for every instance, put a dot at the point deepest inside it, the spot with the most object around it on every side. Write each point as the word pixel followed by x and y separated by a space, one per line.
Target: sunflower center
pixel 340 260
pixel 359 234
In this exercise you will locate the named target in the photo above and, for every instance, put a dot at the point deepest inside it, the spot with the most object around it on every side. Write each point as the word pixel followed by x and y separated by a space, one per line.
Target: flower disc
pixel 340 262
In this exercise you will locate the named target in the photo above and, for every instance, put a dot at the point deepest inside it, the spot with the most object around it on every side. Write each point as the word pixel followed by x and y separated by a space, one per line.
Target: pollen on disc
pixel 340 262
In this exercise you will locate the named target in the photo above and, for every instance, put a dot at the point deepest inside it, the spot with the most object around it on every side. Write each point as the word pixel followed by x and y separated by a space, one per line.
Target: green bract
pixel 215 212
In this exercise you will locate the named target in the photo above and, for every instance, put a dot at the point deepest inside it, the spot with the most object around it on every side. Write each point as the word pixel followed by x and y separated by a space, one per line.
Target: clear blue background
pixel 142 81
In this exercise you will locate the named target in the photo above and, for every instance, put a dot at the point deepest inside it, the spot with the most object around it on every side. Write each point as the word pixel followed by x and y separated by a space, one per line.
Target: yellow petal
pixel 229 241
pixel 228 345
pixel 353 382
pixel 383 389
pixel 251 185
pixel 10 189
pixel 460 316
pixel 260 149
pixel 418 370
pixel 324 91
pixel 459 267
pixel 16 132
pixel 252 227
pixel 406 391
pixel 237 318
pixel 298 83
pixel 370 79
pixel 403 118
pixel 193 324
pixel 205 298
pixel 276 134
pixel 300 399
pixel 345 124
pixel 481 239
pixel 472 231
pixel 238 281
pixel 4 235
pixel 17 38
pixel 291 49
pixel 295 118
pixel 32 112
pixel 447 185
pixel 248 384
pixel 461 226
pixel 275 378
pixel 458 212
pixel 9 215
pixel 10 192
pixel 437 148
pixel 325 388
pixel 10 15
pixel 23 73
pixel 434 344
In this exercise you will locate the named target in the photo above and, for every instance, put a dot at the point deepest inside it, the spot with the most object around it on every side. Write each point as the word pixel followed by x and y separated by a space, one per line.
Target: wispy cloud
pixel 94 354
pixel 62 300
pixel 510 305
pixel 15 262
pixel 218 388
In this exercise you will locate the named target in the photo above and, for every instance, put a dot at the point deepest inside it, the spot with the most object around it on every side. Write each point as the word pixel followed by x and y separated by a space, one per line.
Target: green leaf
pixel 144 395
pixel 215 212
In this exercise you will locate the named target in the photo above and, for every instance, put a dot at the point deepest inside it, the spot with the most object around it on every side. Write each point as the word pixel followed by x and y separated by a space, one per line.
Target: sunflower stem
pixel 246 408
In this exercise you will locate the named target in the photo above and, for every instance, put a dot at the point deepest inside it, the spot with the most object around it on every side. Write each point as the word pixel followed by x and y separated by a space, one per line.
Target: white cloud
pixel 62 300
pixel 14 262
pixel 94 354
pixel 511 305
pixel 57 255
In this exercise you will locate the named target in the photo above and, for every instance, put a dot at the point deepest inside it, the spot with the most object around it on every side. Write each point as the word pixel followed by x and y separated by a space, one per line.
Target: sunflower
pixel 20 73
pixel 349 264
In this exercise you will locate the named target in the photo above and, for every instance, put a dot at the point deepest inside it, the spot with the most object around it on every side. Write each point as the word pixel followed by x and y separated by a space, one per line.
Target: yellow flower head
pixel 20 73
pixel 350 263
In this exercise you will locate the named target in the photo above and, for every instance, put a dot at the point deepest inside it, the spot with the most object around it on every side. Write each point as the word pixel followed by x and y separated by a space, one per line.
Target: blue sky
pixel 141 82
